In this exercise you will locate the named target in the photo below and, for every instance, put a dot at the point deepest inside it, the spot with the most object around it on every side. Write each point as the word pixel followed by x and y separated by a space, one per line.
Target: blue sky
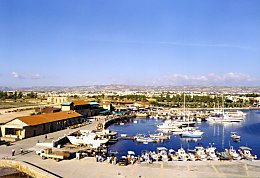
pixel 140 42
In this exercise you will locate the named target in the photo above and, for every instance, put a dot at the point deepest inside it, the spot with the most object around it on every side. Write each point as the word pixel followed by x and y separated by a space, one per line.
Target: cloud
pixel 228 79
pixel 25 76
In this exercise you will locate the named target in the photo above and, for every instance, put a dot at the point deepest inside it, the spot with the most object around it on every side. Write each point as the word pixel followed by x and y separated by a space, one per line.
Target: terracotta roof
pixel 46 118
pixel 80 102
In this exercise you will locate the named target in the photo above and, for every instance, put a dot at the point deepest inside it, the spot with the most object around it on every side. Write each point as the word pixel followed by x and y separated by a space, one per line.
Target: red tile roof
pixel 47 118
pixel 79 102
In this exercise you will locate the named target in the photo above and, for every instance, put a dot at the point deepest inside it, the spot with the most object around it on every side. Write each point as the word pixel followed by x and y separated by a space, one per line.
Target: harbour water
pixel 216 134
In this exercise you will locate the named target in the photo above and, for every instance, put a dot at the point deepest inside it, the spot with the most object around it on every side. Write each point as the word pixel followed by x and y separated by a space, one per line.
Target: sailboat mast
pixel 223 104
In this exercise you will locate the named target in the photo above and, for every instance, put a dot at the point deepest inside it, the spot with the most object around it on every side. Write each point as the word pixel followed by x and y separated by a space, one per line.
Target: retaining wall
pixel 27 168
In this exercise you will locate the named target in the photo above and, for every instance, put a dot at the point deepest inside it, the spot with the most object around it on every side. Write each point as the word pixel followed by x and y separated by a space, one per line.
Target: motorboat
pixel 245 153
pixel 162 153
pixel 144 139
pixel 192 133
pixel 160 135
pixel 200 153
pixel 235 136
pixel 211 152
pixel 182 155
pixel 233 154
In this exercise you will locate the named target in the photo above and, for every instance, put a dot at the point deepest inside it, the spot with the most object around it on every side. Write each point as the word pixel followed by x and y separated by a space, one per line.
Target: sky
pixel 132 42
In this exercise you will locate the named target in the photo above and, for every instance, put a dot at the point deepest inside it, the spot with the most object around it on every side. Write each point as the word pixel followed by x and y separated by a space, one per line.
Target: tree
pixel 20 95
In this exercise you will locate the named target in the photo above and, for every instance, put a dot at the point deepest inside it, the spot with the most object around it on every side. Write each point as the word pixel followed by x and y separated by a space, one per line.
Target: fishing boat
pixel 90 139
pixel 233 154
pixel 182 155
pixel 211 152
pixel 245 153
pixel 162 153
pixel 200 153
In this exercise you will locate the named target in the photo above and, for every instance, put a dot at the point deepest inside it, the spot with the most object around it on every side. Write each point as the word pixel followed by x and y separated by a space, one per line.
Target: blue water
pixel 217 134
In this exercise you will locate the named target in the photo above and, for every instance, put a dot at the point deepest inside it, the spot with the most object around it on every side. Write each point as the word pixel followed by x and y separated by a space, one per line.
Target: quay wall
pixel 27 168
pixel 109 122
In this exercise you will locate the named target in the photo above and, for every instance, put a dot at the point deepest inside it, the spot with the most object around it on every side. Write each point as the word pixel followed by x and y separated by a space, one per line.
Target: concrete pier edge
pixel 27 168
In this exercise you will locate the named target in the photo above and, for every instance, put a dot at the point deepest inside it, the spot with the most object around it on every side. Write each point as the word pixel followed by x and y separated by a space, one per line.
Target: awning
pixel 105 112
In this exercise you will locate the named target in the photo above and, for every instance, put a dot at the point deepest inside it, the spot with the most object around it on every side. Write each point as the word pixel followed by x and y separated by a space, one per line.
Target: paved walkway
pixel 88 167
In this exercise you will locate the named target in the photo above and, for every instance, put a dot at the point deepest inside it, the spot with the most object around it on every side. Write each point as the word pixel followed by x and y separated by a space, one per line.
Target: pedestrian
pixel 13 152
pixel 45 137
pixel 21 150
pixel 78 155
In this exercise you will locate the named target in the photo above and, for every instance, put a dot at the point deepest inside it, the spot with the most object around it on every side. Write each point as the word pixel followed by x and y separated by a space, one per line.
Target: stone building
pixel 29 126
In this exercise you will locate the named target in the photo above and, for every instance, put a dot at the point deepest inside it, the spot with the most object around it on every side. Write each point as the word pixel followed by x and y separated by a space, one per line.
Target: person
pixel 21 150
pixel 45 137
pixel 115 160
pixel 78 155
pixel 13 152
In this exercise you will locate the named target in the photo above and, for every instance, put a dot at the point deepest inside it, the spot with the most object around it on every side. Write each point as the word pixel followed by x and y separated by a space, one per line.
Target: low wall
pixel 27 168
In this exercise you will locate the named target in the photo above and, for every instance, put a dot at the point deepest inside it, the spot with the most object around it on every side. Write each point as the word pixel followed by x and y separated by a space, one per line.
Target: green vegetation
pixel 177 100
pixel 16 95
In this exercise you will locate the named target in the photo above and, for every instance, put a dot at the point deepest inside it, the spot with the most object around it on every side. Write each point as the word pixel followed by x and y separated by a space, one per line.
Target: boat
pixel 169 124
pixel 162 153
pixel 245 153
pixel 141 114
pixel 123 135
pixel 90 139
pixel 144 139
pixel 192 133
pixel 182 155
pixel 211 152
pixel 224 156
pixel 233 154
pixel 200 153
pixel 234 136
pixel 160 135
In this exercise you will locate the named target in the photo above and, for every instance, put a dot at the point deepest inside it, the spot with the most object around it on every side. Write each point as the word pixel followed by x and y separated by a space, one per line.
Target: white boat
pixel 211 151
pixel 162 153
pixel 90 139
pixel 200 153
pixel 169 124
pixel 192 133
pixel 234 136
pixel 182 155
pixel 160 135
pixel 233 154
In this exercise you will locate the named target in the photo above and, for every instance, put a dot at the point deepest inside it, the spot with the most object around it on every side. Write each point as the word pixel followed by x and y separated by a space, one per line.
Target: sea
pixel 215 134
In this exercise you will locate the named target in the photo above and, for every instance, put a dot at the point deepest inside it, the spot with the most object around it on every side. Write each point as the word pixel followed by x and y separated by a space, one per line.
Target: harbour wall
pixel 28 169
pixel 109 122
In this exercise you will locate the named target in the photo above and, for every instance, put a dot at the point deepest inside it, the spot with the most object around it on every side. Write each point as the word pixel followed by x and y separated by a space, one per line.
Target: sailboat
pixel 190 132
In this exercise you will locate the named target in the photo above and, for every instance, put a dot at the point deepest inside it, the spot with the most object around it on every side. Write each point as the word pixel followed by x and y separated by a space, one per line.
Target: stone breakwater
pixel 27 168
